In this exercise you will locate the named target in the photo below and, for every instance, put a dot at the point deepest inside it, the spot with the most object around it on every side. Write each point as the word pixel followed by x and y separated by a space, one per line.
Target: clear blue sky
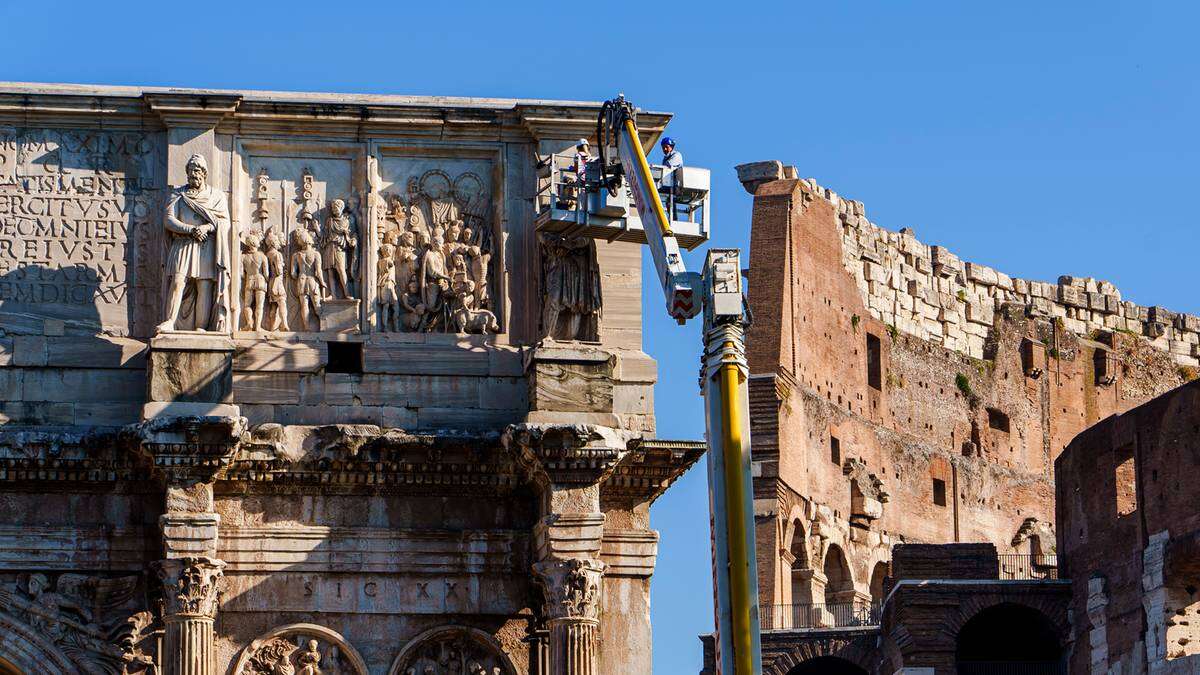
pixel 1042 138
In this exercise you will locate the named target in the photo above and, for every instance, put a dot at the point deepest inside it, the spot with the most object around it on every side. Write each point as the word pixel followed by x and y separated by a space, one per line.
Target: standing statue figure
pixel 434 280
pixel 197 225
pixel 339 248
pixel 407 259
pixel 305 271
pixel 310 660
pixel 571 302
pixel 479 267
pixel 254 283
pixel 277 288
pixel 388 299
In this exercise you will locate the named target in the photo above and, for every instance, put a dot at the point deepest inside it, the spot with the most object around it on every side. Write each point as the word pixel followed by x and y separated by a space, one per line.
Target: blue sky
pixel 1042 138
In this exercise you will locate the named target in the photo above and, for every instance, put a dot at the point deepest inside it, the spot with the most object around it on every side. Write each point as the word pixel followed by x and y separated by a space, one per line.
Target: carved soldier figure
pixel 479 267
pixel 277 288
pixel 387 299
pixel 197 225
pixel 305 271
pixel 254 283
pixel 338 249
pixel 407 260
pixel 414 310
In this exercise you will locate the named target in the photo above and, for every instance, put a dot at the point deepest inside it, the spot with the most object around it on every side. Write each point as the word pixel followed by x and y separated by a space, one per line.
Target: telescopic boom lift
pixel 599 208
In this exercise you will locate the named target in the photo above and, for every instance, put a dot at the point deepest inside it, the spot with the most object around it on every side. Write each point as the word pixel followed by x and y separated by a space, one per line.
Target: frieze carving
pixel 439 238
pixel 300 649
pixel 572 587
pixel 571 298
pixel 191 586
pixel 303 258
pixel 452 650
pixel 197 265
pixel 91 619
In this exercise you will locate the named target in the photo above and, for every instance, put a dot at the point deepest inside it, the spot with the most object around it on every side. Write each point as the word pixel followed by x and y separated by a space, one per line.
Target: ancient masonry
pixel 899 396
pixel 928 292
pixel 279 392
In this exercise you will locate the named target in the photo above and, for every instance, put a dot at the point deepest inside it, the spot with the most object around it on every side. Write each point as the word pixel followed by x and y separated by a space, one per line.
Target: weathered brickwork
pixel 1129 537
pixel 899 395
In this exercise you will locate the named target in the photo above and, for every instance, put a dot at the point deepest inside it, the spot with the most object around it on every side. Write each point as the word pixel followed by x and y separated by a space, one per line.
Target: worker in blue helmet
pixel 672 159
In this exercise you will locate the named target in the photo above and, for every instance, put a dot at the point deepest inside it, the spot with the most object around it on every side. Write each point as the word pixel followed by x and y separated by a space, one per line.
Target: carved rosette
pixel 191 586
pixel 572 588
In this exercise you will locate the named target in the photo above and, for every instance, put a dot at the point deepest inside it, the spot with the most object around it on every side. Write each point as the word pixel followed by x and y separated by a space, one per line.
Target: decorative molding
pixel 191 586
pixel 451 650
pixel 192 110
pixel 572 588
pixel 302 649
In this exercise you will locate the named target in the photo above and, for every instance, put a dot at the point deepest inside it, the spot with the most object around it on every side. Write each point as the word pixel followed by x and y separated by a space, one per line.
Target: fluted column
pixel 191 587
pixel 572 588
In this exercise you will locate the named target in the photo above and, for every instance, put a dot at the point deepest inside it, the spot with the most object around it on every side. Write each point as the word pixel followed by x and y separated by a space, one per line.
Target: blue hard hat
pixel 667 140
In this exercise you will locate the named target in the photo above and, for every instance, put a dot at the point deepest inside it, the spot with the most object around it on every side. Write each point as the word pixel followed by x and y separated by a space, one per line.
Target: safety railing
pixel 1024 567
pixel 823 615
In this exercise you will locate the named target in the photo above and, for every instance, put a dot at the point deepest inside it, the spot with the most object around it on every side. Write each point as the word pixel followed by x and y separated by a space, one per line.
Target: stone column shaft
pixel 573 647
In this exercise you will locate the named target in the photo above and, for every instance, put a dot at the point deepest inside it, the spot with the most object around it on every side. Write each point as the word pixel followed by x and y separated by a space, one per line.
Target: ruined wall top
pixel 929 292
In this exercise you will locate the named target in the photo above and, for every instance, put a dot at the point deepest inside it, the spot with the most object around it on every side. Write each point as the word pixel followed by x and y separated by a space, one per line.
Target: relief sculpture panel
pixel 300 649
pixel 79 236
pixel 300 268
pixel 435 248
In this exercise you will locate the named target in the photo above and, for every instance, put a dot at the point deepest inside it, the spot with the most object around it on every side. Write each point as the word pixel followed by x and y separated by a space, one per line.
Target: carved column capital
pixel 191 587
pixel 572 587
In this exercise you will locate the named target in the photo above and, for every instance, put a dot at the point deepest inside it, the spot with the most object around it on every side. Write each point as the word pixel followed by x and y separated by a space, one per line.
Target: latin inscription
pixel 75 207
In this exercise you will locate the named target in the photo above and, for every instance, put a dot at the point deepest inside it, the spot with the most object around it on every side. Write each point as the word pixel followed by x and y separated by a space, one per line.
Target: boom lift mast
pixel 723 382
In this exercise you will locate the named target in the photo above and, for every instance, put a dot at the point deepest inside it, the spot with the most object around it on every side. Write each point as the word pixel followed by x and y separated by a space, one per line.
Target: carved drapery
pixel 438 237
pixel 300 649
pixel 452 650
pixel 571 297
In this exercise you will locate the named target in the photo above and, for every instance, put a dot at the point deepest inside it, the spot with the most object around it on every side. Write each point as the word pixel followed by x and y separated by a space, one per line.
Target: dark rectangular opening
pixel 874 363
pixel 1103 366
pixel 939 492
pixel 835 450
pixel 345 357
pixel 997 420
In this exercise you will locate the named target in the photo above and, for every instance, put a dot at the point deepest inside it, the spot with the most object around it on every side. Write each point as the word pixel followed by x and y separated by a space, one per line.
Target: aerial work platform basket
pixel 567 207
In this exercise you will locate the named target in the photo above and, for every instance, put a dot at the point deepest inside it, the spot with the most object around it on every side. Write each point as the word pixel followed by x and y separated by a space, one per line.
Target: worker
pixel 572 184
pixel 672 159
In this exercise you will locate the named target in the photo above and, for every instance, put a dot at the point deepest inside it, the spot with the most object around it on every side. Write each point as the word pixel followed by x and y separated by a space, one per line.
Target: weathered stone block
pixel 570 380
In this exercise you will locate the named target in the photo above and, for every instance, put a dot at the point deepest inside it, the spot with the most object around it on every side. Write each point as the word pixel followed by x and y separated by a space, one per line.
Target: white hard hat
pixel 582 141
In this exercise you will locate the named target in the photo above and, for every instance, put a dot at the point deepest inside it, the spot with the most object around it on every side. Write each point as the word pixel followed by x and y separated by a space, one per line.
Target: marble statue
pixel 197 226
pixel 305 271
pixel 388 299
pixel 571 302
pixel 276 286
pixel 339 248
pixel 254 283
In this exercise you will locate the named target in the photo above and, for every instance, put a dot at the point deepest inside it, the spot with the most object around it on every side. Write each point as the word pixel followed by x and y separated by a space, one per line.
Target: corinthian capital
pixel 572 587
pixel 191 586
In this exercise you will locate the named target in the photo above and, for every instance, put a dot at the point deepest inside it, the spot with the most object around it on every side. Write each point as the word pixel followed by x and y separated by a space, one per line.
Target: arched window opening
pixel 877 576
pixel 827 665
pixel 839 586
pixel 1009 638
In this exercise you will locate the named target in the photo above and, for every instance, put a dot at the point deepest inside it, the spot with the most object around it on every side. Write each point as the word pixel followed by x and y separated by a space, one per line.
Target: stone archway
pixel 1013 636
pixel 300 644
pixel 472 650
pixel 24 652
pixel 839 582
pixel 827 665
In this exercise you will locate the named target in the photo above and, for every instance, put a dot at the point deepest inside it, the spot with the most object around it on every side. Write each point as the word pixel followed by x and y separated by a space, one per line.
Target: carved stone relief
pixel 191 586
pixel 452 650
pixel 304 225
pixel 198 262
pixel 93 620
pixel 572 587
pixel 80 235
pixel 438 234
pixel 300 649
pixel 571 300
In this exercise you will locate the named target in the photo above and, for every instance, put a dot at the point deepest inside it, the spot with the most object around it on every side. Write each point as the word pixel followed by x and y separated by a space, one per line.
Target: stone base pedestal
pixel 569 378
pixel 190 374
pixel 339 316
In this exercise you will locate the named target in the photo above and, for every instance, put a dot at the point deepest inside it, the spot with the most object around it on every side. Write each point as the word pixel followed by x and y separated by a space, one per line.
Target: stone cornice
pixel 198 110
pixel 648 469
pixel 564 455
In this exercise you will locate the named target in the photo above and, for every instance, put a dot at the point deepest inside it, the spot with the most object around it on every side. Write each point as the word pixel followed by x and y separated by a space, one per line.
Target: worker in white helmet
pixel 572 184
